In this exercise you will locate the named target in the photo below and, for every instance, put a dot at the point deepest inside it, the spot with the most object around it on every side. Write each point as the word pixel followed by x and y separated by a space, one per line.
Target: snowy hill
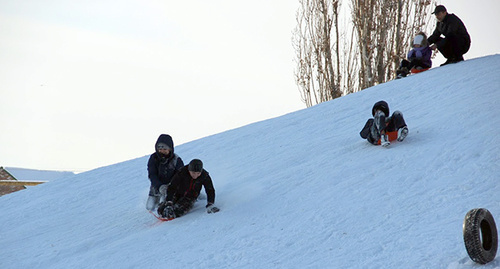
pixel 37 175
pixel 299 191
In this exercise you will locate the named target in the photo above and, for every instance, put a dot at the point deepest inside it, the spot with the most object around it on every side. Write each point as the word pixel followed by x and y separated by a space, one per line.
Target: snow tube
pixel 480 235
pixel 415 71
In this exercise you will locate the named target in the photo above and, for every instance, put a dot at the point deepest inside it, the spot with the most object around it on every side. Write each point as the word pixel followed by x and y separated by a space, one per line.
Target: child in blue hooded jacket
pixel 162 166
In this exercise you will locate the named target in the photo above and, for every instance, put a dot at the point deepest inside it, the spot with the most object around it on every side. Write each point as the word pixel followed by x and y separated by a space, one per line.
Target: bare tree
pixel 315 73
pixel 384 30
pixel 335 59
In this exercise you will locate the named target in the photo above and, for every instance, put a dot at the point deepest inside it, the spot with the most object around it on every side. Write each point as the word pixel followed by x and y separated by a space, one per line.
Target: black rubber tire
pixel 480 235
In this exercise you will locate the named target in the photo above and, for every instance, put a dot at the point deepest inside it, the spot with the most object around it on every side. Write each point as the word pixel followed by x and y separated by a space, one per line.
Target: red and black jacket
pixel 183 185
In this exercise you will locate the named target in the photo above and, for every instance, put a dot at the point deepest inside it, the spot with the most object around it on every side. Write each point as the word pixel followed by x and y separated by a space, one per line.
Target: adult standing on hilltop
pixel 456 41
pixel 162 166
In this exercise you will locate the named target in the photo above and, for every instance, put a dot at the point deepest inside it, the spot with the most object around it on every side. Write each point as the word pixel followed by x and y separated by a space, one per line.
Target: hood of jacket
pixel 165 139
pixel 381 105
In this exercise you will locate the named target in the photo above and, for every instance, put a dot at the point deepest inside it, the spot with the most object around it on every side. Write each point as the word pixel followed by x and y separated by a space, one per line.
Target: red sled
pixel 416 71
pixel 160 218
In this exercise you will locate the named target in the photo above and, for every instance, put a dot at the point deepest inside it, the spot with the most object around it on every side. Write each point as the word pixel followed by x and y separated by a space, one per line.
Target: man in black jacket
pixel 185 188
pixel 162 166
pixel 456 41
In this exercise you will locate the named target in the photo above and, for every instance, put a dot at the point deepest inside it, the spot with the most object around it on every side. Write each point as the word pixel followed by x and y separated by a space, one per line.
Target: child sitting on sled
pixel 419 57
pixel 381 129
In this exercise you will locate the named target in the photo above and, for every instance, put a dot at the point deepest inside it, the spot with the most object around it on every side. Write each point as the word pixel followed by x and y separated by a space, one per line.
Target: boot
pixel 166 210
pixel 169 212
pixel 402 72
pixel 402 133
pixel 152 202
pixel 384 140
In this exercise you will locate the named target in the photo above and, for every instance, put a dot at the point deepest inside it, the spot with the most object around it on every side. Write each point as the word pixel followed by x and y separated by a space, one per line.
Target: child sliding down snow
pixel 381 129
pixel 184 189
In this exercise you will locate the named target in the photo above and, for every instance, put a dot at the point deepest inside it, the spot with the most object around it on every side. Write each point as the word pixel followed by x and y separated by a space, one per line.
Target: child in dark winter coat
pixel 419 57
pixel 382 129
pixel 162 166
pixel 185 189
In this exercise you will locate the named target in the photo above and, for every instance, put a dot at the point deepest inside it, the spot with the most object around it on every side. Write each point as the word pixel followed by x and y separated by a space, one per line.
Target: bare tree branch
pixel 363 51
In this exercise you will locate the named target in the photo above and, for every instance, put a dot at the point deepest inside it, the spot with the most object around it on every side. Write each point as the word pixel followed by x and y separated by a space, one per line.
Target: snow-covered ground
pixel 37 175
pixel 299 191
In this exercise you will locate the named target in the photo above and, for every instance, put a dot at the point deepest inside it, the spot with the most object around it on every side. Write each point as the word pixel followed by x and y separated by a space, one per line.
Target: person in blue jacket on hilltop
pixel 162 166
pixel 418 59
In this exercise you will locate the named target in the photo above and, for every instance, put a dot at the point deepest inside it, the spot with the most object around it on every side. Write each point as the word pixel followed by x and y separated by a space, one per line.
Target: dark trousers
pixel 453 48
pixel 406 66
pixel 396 121
pixel 413 63
pixel 183 205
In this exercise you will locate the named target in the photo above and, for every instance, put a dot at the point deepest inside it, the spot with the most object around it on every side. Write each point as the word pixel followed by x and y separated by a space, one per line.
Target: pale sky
pixel 85 84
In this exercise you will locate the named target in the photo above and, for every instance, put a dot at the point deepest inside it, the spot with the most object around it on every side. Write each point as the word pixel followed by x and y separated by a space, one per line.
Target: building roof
pixel 6 176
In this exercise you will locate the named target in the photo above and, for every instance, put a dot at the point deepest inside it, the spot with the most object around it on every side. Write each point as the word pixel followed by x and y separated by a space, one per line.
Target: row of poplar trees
pixel 346 46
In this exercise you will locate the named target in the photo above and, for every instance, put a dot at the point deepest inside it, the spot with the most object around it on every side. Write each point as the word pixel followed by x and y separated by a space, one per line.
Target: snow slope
pixel 299 191
pixel 37 175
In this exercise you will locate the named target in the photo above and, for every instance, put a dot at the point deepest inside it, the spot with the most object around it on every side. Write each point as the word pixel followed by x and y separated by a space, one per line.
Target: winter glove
pixel 166 209
pixel 212 209
pixel 169 210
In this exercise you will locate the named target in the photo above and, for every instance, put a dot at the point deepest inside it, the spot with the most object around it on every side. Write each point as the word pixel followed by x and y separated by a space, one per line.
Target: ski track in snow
pixel 298 191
